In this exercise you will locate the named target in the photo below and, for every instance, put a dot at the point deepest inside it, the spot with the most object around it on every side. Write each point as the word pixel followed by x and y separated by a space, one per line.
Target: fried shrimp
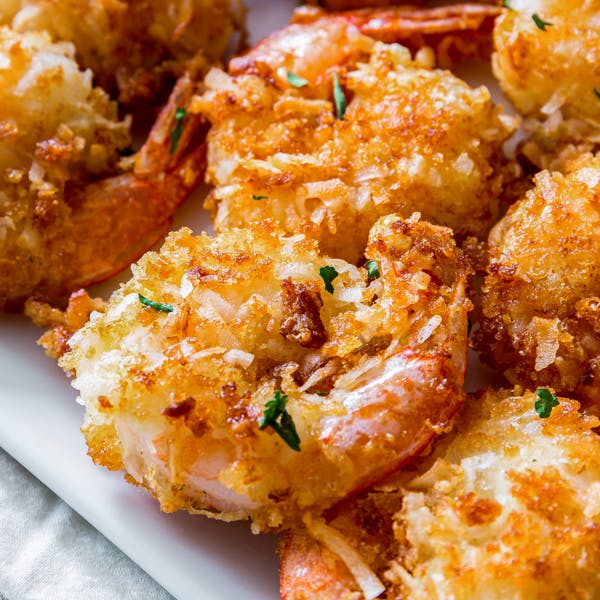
pixel 194 361
pixel 324 130
pixel 546 60
pixel 507 506
pixel 541 298
pixel 69 214
pixel 135 48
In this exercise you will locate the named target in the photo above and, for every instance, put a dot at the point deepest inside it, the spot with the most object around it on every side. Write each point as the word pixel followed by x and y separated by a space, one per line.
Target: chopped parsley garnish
pixel 321 393
pixel 545 402
pixel 540 22
pixel 285 429
pixel 597 93
pixel 328 274
pixel 372 269
pixel 338 97
pixel 506 4
pixel 177 130
pixel 156 305
pixel 296 80
pixel 257 197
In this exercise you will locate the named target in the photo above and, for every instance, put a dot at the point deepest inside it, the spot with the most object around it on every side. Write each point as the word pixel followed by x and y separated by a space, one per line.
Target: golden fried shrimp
pixel 454 32
pixel 541 298
pixel 136 47
pixel 507 506
pixel 67 217
pixel 411 139
pixel 364 366
pixel 549 71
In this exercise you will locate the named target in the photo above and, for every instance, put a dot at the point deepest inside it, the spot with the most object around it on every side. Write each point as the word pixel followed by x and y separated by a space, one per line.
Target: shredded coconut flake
pixel 366 579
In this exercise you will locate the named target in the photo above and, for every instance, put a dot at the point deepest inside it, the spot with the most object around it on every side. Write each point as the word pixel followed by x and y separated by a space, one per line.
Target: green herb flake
pixel 258 197
pixel 541 24
pixel 339 98
pixel 285 429
pixel 328 274
pixel 177 130
pixel 160 306
pixel 320 393
pixel 296 80
pixel 506 4
pixel 372 268
pixel 597 93
pixel 545 402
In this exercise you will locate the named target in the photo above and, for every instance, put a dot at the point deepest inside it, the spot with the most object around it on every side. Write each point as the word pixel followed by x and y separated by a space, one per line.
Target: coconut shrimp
pixel 323 130
pixel 546 60
pixel 250 376
pixel 541 298
pixel 71 213
pixel 506 506
pixel 136 49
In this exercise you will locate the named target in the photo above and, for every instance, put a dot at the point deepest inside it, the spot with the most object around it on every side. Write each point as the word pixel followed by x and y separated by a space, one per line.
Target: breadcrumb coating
pixel 56 131
pixel 506 506
pixel 541 296
pixel 550 73
pixel 134 47
pixel 372 371
pixel 411 139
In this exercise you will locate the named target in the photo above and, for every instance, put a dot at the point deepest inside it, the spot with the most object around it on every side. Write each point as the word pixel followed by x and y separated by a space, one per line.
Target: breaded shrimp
pixel 194 361
pixel 541 298
pixel 411 138
pixel 69 214
pixel 546 60
pixel 135 48
pixel 507 506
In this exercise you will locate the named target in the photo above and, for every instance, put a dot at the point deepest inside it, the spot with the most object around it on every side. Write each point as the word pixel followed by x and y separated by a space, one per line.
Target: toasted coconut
pixel 541 298
pixel 136 47
pixel 56 131
pixel 411 139
pixel 507 506
pixel 175 392
pixel 550 75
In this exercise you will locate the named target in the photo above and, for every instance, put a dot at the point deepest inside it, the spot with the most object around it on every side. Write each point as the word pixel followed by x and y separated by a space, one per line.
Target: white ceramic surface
pixel 192 557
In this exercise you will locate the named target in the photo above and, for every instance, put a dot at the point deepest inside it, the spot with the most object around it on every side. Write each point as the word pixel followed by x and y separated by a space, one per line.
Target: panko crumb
pixel 506 506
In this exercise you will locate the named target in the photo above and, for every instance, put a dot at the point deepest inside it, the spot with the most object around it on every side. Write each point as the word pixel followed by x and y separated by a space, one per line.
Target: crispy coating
pixel 550 75
pixel 507 506
pixel 541 301
pixel 135 47
pixel 412 139
pixel 56 131
pixel 71 212
pixel 372 371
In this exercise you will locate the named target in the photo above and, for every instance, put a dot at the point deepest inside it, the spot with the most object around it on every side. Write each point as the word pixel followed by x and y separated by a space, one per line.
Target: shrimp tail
pixel 117 219
pixel 456 32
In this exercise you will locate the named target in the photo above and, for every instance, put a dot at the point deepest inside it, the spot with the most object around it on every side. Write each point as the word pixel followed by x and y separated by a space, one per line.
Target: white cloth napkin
pixel 48 552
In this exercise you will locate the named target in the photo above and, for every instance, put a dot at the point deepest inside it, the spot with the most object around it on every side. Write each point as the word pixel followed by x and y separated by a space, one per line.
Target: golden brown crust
pixel 506 506
pixel 69 216
pixel 280 152
pixel 137 48
pixel 550 75
pixel 540 315
pixel 385 378
pixel 62 325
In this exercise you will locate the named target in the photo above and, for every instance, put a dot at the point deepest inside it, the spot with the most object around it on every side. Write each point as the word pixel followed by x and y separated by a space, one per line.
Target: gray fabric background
pixel 48 552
